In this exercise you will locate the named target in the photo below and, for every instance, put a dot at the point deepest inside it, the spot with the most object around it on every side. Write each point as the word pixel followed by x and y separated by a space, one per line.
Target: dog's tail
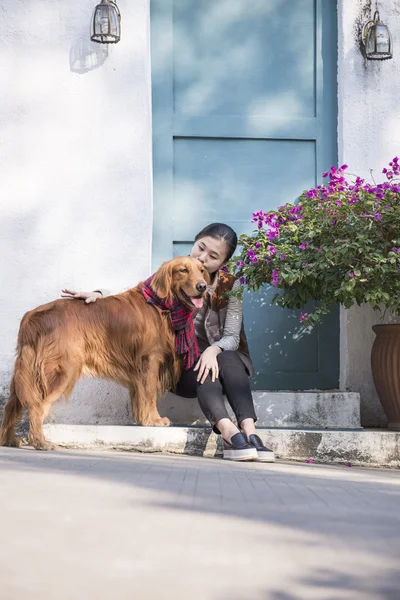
pixel 11 415
pixel 28 388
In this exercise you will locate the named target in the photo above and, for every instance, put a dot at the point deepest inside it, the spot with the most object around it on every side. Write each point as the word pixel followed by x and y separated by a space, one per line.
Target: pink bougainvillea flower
pixel 273 233
pixel 275 277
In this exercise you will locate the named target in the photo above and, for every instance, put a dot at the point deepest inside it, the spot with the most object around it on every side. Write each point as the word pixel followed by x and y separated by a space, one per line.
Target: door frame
pixel 167 127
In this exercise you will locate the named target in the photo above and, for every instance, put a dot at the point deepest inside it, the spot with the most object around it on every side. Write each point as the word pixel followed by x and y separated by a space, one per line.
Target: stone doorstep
pixel 95 401
pixel 312 409
pixel 373 448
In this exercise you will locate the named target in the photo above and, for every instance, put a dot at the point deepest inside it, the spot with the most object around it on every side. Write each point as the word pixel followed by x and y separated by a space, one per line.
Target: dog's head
pixel 182 277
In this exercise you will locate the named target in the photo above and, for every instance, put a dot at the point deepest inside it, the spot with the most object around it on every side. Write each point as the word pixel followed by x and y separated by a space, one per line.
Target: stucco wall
pixel 369 134
pixel 75 161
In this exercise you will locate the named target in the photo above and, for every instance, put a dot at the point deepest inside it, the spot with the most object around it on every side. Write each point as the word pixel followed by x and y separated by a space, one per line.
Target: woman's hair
pixel 220 231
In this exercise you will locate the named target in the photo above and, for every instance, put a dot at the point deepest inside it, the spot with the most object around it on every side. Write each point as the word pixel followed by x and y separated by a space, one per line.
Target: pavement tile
pixel 103 525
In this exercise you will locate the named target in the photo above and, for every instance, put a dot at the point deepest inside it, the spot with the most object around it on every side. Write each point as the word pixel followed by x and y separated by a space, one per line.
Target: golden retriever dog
pixel 123 338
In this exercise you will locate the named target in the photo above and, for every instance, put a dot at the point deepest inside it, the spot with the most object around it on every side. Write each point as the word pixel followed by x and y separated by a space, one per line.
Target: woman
pixel 224 366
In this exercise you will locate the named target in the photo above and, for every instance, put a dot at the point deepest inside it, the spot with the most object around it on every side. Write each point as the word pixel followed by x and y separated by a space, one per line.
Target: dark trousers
pixel 233 381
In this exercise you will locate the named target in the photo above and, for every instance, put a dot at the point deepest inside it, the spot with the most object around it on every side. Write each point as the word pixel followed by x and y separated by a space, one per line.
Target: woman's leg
pixel 211 401
pixel 234 382
pixel 236 386
pixel 248 426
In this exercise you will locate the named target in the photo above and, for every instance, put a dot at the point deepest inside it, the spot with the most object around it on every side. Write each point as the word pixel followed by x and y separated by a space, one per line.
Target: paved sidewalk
pixel 81 525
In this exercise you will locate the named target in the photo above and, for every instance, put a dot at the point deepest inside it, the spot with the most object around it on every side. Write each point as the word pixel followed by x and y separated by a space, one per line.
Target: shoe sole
pixel 240 455
pixel 269 459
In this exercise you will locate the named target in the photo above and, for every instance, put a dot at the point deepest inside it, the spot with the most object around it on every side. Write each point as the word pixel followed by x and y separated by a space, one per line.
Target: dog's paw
pixel 12 442
pixel 43 445
pixel 159 422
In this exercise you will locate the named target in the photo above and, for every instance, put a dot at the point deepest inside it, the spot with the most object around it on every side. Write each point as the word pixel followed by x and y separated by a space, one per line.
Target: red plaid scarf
pixel 182 323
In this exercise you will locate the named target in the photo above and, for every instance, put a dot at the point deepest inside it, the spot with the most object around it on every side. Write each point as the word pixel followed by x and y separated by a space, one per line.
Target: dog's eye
pixel 184 270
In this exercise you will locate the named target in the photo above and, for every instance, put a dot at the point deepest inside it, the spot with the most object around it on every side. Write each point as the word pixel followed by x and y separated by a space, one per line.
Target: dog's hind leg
pixel 36 438
pixel 37 415
pixel 11 415
pixel 61 385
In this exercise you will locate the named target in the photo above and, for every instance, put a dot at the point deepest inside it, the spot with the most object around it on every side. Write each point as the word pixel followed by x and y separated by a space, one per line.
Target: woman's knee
pixel 230 358
pixel 187 385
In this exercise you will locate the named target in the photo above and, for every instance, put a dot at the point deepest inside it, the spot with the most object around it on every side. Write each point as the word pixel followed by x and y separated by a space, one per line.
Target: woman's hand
pixel 88 297
pixel 208 363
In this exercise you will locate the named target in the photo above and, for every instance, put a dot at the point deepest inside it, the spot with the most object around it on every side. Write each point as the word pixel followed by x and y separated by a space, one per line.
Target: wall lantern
pixel 377 39
pixel 106 23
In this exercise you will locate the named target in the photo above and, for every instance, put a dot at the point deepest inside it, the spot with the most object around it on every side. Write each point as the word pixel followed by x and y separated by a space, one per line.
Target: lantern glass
pixel 106 23
pixel 377 40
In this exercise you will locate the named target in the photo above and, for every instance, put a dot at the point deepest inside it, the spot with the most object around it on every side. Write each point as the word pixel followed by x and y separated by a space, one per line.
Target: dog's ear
pixel 162 281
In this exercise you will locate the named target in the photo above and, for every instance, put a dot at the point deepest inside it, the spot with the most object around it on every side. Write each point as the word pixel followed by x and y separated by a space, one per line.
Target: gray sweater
pixel 233 321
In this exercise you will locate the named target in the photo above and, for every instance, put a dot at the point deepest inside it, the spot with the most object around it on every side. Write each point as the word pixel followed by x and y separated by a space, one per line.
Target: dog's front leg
pixel 143 396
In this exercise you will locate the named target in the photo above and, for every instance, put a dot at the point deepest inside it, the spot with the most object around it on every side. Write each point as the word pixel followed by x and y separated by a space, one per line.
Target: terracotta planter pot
pixel 385 364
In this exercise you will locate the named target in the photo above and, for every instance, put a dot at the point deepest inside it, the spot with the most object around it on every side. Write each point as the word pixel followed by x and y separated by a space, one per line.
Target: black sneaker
pixel 239 448
pixel 264 454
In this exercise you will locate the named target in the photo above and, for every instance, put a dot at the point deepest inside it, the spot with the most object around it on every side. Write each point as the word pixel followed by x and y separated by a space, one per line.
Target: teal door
pixel 244 118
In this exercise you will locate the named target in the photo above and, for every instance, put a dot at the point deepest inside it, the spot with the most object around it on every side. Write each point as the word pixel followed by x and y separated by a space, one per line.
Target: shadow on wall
pixel 86 55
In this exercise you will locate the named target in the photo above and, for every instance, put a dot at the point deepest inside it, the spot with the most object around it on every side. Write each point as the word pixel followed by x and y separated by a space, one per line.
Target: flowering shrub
pixel 339 244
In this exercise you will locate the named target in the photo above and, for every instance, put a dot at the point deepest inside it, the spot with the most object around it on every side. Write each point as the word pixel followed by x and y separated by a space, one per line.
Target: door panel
pixel 244 118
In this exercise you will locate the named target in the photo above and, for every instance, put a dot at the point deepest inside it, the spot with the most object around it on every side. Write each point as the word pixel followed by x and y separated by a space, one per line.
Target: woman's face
pixel 211 252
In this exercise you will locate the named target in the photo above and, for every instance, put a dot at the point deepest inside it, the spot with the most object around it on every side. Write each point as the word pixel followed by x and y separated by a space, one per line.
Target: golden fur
pixel 121 338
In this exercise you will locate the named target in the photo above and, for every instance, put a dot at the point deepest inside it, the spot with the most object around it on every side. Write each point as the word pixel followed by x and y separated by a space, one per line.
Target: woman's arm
pixel 88 297
pixel 233 323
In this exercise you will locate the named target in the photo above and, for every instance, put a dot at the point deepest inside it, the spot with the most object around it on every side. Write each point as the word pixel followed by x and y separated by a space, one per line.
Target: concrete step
pixel 103 403
pixel 298 410
pixel 379 448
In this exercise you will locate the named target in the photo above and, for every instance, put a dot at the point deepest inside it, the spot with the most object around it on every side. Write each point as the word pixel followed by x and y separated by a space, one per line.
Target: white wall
pixel 75 165
pixel 369 134
pixel 75 157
